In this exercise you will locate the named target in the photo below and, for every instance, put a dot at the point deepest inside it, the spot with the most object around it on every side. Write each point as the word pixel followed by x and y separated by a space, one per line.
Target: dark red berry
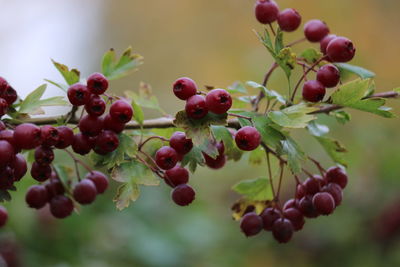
pixel 282 230
pixel 44 155
pixel 27 136
pixel 113 125
pixel 107 141
pixel 180 143
pixel 312 186
pixel 54 188
pixel 322 181
pixel 91 125
pixel 328 75
pixel 266 11
pixel 85 192
pixel 218 101
pixel 248 138
pixel 196 107
pixel 61 206
pixel 82 144
pixel 10 95
pixel 19 166
pixel 336 191
pixel 95 106
pixel 216 163
pixel 307 208
pixel 6 178
pixel 3 216
pixel 289 20
pixel 7 153
pixel 176 176
pixel 97 83
pixel 291 203
pixel 121 111
pixel 251 224
pixel 3 85
pixel 300 191
pixel 337 175
pixel 99 179
pixel 78 94
pixel 324 43
pixel 36 197
pixel 313 91
pixel 40 173
pixel 166 158
pixel 183 195
pixel 340 49
pixel 8 135
pixel 50 135
pixel 184 88
pixel 3 107
pixel 315 30
pixel 324 203
pixel 296 217
pixel 66 137
pixel 269 216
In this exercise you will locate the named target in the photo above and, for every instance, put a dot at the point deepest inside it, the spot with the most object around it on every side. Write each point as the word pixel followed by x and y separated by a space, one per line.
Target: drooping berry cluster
pixel 314 197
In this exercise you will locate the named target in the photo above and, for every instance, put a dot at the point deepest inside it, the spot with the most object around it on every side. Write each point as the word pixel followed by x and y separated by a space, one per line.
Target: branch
pixel 261 95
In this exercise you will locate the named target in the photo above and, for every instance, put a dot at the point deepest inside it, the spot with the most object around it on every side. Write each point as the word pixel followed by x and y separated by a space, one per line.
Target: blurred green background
pixel 212 42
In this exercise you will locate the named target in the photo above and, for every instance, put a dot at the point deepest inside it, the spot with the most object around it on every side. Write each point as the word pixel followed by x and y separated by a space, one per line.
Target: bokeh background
pixel 212 42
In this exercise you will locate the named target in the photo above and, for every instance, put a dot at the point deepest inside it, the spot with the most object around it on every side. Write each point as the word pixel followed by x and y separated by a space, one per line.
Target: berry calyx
pixel 282 230
pixel 218 101
pixel 78 94
pixel 251 224
pixel 289 20
pixel 36 197
pixel 313 91
pixel 27 136
pixel 183 195
pixel 196 107
pixel 97 83
pixel 99 180
pixel 107 141
pixel 176 176
pixel 166 158
pixel 269 216
pixel 50 135
pixel 121 111
pixel 44 155
pixel 337 175
pixel 324 203
pixel 248 138
pixel 266 11
pixel 180 143
pixel 315 30
pixel 340 49
pixel 85 192
pixel 61 206
pixel 184 88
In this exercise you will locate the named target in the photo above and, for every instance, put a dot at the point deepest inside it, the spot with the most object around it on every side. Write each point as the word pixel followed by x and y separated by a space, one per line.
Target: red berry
pixel 313 91
pixel 7 153
pixel 340 49
pixel 44 155
pixel 107 141
pixel 266 11
pixel 91 125
pixel 99 179
pixel 248 138
pixel 218 101
pixel 315 30
pixel 95 106
pixel 3 216
pixel 40 173
pixel 113 125
pixel 3 85
pixel 176 176
pixel 78 94
pixel 61 206
pixel 296 217
pixel 312 186
pixel 219 161
pixel 324 203
pixel 85 192
pixel 322 181
pixel 166 158
pixel 184 88
pixel 19 166
pixel 82 144
pixel 328 75
pixel 300 191
pixel 336 191
pixel 251 224
pixel 36 197
pixel 307 208
pixel 54 188
pixel 97 83
pixel 27 136
pixel 8 135
pixel 180 143
pixel 196 107
pixel 269 216
pixel 282 230
pixel 121 111
pixel 3 107
pixel 338 176
pixel 324 43
pixel 289 20
pixel 50 136
pixel 291 203
pixel 66 137
pixel 6 178
pixel 183 195
pixel 10 95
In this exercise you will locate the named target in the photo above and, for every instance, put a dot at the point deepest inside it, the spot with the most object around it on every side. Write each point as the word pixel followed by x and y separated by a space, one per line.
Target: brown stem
pixel 260 96
pixel 296 42
pixel 76 160
pixel 150 138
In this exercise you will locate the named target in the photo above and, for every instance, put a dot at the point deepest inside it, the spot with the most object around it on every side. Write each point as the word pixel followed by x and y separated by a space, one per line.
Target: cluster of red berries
pixel 314 197
pixel 334 48
pixel 8 96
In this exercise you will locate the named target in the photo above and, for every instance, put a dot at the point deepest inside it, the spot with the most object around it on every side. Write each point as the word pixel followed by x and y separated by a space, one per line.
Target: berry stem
pixel 272 29
pixel 296 42
pixel 151 138
pixel 267 76
pixel 76 160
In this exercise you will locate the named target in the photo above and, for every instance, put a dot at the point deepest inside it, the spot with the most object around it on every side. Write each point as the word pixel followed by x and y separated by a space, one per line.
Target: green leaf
pixel 4 196
pixel 126 193
pixel 311 55
pixel 114 68
pixel 361 72
pixel 296 116
pixel 257 156
pixel 64 173
pixel 317 129
pixel 221 133
pixel 341 116
pixel 70 76
pixel 61 86
pixel 33 102
pixel 270 134
pixel 294 153
pixel 279 41
pixel 145 98
pixel 269 94
pixel 138 112
pixel 237 87
pixel 193 159
pixel 397 90
pixel 257 189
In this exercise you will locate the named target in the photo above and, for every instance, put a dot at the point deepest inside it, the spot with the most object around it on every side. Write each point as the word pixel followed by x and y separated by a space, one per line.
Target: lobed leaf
pixel 311 55
pixel 70 76
pixel 296 116
pixel 114 68
pixel 359 71
pixel 257 189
